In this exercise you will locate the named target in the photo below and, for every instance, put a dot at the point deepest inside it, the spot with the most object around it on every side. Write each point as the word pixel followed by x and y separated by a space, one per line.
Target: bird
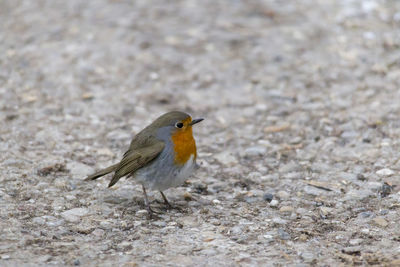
pixel 161 156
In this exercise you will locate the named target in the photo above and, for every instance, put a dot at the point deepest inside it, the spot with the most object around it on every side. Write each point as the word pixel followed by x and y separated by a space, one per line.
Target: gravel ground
pixel 299 152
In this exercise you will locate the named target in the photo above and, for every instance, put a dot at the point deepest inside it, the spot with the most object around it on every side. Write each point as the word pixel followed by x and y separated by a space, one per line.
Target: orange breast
pixel 184 145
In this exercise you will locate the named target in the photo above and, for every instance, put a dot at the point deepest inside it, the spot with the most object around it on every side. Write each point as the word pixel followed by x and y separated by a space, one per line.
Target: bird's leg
pixel 169 206
pixel 147 203
pixel 166 200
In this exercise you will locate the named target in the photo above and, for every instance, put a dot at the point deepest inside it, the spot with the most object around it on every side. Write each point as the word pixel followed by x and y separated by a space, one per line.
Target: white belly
pixel 185 171
pixel 161 178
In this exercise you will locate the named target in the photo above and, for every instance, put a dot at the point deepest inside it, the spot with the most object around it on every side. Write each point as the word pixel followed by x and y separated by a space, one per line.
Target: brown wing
pixel 134 159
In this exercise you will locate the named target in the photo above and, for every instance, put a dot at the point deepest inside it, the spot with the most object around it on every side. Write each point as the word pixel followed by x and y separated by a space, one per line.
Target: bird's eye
pixel 179 125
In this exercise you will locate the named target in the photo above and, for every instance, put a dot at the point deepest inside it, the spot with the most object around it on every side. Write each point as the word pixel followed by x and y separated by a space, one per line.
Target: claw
pixel 169 206
pixel 166 202
pixel 147 204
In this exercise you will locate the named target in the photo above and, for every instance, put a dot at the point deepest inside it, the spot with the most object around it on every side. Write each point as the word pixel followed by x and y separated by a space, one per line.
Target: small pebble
pixel 385 190
pixel 361 177
pixel 98 232
pixel 355 242
pixel 268 236
pixel 283 234
pixel 325 210
pixel 159 223
pixel 76 212
pixel 278 220
pixel 274 203
pixel 301 211
pixel 286 209
pixel 125 244
pixel 106 225
pixel 55 223
pixel 283 195
pixel 366 214
pixel 187 196
pixel 216 201
pixel 307 256
pixel 74 215
pixel 385 172
pixel 70 197
pixel 236 230
pixel 379 221
pixel 383 212
pixel 255 151
pixel 311 190
pixel 254 176
pixel 268 197
pixel 296 140
pixel 251 199
pixel 352 250
pixel 365 230
pixel 199 188
pixel 361 194
pixel 303 237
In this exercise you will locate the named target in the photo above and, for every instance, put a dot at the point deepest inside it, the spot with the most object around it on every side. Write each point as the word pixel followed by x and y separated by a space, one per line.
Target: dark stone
pixel 268 197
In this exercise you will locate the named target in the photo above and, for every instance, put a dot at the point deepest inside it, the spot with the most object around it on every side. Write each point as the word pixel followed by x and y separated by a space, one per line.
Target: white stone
pixel 216 201
pixel 385 172
pixel 274 203
pixel 74 215
pixel 255 151
pixel 365 230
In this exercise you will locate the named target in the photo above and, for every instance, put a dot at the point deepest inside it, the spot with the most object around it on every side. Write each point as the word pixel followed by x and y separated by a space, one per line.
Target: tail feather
pixel 102 172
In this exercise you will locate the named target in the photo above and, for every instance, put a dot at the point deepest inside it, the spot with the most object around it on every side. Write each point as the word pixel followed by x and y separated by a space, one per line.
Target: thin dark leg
pixel 169 206
pixel 147 203
pixel 165 200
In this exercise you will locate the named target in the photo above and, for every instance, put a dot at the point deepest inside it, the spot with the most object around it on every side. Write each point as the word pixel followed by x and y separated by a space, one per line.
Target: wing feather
pixel 134 159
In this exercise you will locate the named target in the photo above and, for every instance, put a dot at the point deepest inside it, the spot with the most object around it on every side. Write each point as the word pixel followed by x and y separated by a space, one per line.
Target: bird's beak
pixel 195 121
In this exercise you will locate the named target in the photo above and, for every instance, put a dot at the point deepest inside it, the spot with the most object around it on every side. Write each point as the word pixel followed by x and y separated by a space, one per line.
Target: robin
pixel 161 156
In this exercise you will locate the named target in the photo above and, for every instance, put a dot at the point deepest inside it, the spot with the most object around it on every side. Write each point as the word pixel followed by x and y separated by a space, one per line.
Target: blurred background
pixel 297 96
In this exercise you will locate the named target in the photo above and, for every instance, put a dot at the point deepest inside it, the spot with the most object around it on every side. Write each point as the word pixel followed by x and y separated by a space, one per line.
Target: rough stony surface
pixel 299 152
